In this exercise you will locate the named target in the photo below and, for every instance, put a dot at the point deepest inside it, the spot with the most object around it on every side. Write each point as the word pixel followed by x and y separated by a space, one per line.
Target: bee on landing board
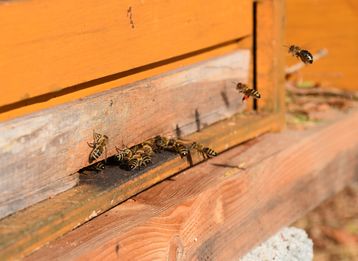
pixel 206 152
pixel 244 89
pixel 163 143
pixel 139 159
pixel 305 56
pixel 99 166
pixel 181 149
pixel 124 154
pixel 99 145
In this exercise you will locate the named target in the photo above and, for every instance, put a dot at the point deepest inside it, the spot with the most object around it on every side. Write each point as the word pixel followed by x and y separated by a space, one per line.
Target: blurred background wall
pixel 330 24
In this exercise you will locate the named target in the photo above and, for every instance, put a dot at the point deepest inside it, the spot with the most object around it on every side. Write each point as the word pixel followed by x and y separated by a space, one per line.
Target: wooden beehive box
pixel 130 70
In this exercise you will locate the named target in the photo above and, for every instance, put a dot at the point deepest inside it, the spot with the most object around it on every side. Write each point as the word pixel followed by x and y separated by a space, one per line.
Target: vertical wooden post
pixel 269 54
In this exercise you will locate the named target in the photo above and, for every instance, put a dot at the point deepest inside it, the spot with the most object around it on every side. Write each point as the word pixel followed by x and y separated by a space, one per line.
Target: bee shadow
pixel 197 120
pixel 225 98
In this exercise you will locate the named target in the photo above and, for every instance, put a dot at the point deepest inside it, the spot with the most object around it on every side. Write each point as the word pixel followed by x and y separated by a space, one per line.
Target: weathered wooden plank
pixel 33 227
pixel 217 211
pixel 49 46
pixel 42 148
pixel 269 55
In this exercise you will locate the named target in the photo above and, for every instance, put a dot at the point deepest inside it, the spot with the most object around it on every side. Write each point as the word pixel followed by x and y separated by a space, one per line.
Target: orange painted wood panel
pixel 216 210
pixel 319 24
pixel 55 98
pixel 46 147
pixel 47 46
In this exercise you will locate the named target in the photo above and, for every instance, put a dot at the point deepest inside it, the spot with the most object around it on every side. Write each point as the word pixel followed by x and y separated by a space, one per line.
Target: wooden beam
pixel 216 210
pixel 41 150
pixel 31 228
pixel 49 46
pixel 270 22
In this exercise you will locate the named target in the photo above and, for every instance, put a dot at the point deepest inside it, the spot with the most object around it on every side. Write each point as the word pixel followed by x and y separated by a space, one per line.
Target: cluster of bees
pixel 140 155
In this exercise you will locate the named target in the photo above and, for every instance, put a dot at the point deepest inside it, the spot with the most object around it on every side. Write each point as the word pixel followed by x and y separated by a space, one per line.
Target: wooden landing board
pixel 216 211
pixel 47 46
pixel 41 150
pixel 33 227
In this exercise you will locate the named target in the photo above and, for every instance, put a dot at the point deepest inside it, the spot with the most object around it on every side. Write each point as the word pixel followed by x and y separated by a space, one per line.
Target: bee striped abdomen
pixel 134 163
pixel 95 154
pixel 146 159
pixel 255 93
pixel 209 152
pixel 181 149
pixel 306 56
pixel 99 166
pixel 124 154
pixel 206 152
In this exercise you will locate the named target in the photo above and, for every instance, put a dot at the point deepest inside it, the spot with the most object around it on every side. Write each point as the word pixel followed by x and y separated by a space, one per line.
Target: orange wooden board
pixel 44 148
pixel 70 94
pixel 319 24
pixel 217 210
pixel 47 46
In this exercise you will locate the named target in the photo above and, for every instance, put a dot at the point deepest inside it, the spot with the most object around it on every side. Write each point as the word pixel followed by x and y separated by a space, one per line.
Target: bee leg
pixel 91 145
pixel 244 98
pixel 105 154
pixel 203 155
pixel 96 135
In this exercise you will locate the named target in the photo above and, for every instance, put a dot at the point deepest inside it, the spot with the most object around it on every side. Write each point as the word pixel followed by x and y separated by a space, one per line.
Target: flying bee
pixel 99 145
pixel 305 56
pixel 242 88
pixel 206 152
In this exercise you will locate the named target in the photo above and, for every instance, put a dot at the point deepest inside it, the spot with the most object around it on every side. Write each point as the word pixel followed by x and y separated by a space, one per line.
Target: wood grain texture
pixel 53 143
pixel 270 64
pixel 337 32
pixel 49 46
pixel 35 226
pixel 89 88
pixel 216 211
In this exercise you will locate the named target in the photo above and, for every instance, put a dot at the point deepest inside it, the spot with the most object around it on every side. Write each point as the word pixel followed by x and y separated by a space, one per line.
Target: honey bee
pixel 242 88
pixel 164 143
pixel 305 56
pixel 99 145
pixel 181 148
pixel 138 160
pixel 99 166
pixel 124 154
pixel 147 147
pixel 204 151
